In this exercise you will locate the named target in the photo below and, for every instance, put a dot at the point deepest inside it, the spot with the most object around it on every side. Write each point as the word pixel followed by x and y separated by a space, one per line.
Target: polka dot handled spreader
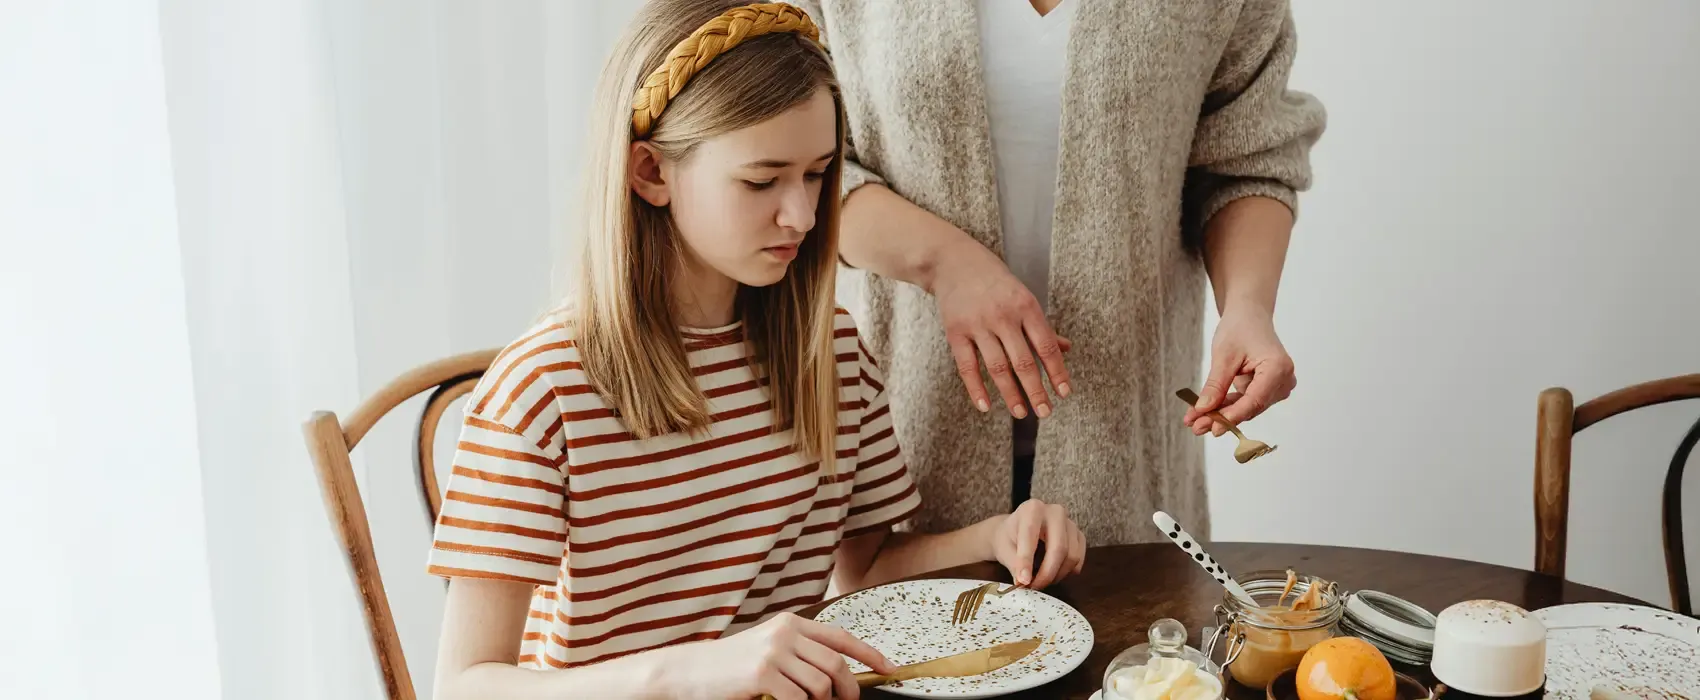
pixel 1187 544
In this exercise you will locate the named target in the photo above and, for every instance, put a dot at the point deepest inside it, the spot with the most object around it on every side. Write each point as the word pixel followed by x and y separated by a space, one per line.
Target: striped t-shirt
pixel 639 544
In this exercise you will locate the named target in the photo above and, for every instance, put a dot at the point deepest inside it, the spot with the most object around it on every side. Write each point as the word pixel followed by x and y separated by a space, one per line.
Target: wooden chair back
pixel 329 443
pixel 1558 419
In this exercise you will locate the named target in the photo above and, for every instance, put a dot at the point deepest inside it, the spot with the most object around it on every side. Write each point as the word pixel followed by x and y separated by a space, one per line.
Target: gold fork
pixel 1248 448
pixel 968 603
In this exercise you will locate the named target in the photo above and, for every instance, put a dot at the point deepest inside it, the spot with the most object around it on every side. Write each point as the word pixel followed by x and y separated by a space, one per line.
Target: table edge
pixel 1231 545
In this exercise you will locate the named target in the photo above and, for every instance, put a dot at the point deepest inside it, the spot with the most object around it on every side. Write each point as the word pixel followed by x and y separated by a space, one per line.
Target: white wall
pixel 104 582
pixel 1504 202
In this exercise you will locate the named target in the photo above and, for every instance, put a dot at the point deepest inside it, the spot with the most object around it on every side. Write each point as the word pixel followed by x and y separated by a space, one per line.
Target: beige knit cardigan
pixel 1170 109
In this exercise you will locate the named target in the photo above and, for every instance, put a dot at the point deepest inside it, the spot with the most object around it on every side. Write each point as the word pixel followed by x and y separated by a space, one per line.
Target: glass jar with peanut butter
pixel 1293 613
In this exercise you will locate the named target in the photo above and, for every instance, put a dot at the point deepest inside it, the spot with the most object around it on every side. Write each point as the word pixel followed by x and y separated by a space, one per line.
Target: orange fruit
pixel 1345 668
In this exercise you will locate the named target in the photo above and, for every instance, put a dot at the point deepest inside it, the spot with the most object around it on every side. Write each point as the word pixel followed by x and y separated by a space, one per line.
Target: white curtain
pixel 227 215
pixel 104 575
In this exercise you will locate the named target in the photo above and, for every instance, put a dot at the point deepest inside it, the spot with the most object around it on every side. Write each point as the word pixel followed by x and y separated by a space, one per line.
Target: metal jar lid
pixel 1402 630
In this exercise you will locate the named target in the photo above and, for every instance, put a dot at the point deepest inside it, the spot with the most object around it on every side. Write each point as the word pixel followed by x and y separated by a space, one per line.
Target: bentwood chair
pixel 329 442
pixel 1558 420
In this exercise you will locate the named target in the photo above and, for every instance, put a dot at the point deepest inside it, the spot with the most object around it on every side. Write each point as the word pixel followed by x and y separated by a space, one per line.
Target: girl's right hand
pixel 787 657
pixel 990 316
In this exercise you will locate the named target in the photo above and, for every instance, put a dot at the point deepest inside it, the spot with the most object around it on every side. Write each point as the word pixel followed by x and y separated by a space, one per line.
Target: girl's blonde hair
pixel 625 329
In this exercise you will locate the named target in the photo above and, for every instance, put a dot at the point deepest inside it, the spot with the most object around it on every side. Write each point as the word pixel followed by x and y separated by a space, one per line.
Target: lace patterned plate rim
pixel 909 622
pixel 1643 651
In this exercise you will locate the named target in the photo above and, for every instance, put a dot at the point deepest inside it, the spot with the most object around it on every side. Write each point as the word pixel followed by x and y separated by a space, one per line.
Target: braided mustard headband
pixel 716 37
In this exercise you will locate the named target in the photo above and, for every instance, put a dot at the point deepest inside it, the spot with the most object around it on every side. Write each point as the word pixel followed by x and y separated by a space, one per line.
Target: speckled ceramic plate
pixel 909 622
pixel 1645 652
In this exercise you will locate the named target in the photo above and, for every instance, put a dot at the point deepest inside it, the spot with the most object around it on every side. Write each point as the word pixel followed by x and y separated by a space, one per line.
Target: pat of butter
pixel 1165 679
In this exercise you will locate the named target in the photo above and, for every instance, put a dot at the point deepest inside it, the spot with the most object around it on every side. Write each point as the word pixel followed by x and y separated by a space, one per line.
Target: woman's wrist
pixel 1257 303
pixel 947 253
pixel 952 255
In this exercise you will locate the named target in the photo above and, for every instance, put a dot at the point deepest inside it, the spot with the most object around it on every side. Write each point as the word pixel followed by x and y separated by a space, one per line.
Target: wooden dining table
pixel 1123 589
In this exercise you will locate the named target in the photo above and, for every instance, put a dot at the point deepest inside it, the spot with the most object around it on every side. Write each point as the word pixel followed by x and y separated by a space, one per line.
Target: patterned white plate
pixel 1635 649
pixel 909 621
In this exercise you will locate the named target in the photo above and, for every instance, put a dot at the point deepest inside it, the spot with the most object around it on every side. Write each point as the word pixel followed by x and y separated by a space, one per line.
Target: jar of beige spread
pixel 1276 636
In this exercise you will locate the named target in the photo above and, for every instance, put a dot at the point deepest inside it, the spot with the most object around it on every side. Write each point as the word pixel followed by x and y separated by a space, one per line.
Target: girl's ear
pixel 646 175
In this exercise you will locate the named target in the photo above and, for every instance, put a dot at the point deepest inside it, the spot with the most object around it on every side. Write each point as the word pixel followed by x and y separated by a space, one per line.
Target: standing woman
pixel 1027 171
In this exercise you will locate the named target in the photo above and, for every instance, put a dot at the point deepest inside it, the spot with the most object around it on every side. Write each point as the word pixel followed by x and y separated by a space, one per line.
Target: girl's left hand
pixel 1017 538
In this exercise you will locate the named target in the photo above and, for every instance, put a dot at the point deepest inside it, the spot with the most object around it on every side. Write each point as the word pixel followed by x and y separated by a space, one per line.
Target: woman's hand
pixel 991 317
pixel 1247 356
pixel 787 657
pixel 1015 540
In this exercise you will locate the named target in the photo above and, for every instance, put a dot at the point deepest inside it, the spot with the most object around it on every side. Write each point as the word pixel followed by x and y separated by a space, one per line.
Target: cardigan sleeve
pixel 855 174
pixel 1254 135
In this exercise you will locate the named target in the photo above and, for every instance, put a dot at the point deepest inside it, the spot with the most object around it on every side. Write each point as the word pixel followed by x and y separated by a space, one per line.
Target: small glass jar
pixel 1276 639
pixel 1151 669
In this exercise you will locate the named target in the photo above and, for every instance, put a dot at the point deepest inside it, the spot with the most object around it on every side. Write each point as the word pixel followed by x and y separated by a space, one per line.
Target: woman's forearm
pixel 1245 247
pixel 888 235
pixel 907 554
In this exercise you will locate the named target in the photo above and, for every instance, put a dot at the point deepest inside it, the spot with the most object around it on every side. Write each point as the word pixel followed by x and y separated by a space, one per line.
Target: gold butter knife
pixel 971 663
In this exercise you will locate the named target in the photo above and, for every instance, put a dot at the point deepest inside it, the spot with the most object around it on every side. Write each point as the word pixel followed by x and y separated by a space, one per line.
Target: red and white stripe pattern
pixel 638 544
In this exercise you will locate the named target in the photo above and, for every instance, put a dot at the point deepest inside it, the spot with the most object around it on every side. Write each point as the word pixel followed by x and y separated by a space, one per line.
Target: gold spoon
pixel 1248 448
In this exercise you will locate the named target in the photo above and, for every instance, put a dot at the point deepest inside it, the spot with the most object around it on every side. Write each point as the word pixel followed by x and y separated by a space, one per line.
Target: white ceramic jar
pixel 1489 648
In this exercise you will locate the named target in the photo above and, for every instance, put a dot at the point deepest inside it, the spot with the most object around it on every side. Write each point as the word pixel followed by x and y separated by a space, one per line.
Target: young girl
pixel 650 481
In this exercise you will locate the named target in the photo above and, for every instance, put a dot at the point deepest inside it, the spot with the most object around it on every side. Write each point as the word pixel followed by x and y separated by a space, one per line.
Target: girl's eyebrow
pixel 770 163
